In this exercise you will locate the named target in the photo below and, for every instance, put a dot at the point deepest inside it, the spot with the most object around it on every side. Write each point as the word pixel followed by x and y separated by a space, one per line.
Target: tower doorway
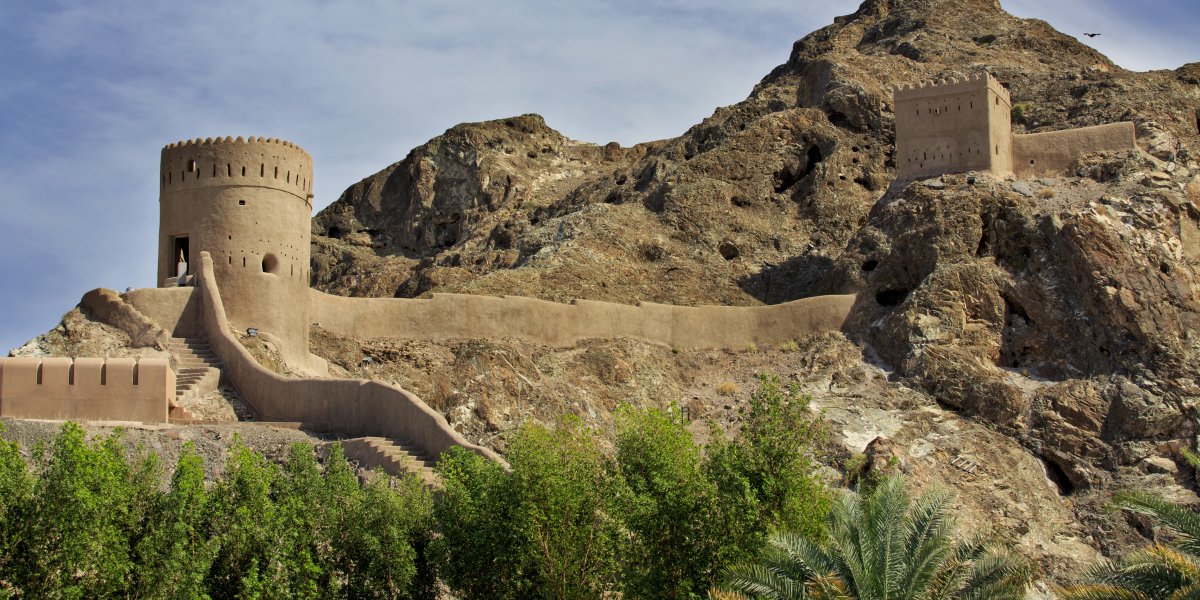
pixel 181 249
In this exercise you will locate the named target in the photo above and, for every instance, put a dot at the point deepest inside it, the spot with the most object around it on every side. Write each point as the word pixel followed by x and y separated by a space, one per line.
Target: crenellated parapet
pixel 248 203
pixel 952 86
pixel 256 161
pixel 86 389
pixel 953 125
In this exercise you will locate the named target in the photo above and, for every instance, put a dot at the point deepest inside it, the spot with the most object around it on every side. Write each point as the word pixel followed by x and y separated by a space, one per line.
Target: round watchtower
pixel 248 203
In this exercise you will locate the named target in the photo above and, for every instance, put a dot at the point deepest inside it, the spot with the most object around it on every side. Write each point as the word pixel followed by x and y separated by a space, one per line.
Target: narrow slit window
pixel 262 170
pixel 228 170
pixel 243 171
pixel 214 170
pixel 276 172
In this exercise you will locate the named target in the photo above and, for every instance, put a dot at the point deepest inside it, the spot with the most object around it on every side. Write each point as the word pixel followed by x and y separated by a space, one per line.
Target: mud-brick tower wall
pixel 248 203
pixel 953 126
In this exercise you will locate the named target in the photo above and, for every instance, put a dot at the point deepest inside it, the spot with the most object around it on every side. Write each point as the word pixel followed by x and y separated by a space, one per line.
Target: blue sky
pixel 92 91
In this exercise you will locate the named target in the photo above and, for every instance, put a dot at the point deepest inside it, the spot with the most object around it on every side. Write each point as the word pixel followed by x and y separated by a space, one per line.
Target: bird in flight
pixel 1091 34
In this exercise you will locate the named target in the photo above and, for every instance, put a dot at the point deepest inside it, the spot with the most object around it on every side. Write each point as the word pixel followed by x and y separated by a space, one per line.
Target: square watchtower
pixel 952 126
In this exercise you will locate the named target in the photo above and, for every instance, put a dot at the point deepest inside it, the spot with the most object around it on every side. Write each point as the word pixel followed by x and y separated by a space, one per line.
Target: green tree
pixel 1156 572
pixel 87 509
pixel 175 555
pixel 380 532
pixel 245 521
pixel 883 545
pixel 16 495
pixel 545 530
pixel 767 475
pixel 479 553
pixel 682 535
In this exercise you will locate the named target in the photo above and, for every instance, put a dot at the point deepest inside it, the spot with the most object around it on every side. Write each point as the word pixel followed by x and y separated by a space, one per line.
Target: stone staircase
pixel 394 456
pixel 197 372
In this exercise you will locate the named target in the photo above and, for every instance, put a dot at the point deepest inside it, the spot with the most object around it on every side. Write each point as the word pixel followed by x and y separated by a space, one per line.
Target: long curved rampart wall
pixel 353 407
pixel 447 316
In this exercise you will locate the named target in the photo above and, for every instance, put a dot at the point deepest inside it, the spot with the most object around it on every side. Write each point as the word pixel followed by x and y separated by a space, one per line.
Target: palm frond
pixel 884 511
pixel 1191 592
pixel 1192 459
pixel 1184 522
pixel 1156 571
pixel 929 528
pixel 758 581
pixel 999 574
pixel 1095 591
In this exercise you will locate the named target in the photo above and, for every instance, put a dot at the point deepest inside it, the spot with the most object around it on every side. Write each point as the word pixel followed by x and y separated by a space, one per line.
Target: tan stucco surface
pixel 959 125
pixel 175 309
pixel 353 407
pixel 447 316
pixel 952 126
pixel 248 204
pixel 1052 152
pixel 86 389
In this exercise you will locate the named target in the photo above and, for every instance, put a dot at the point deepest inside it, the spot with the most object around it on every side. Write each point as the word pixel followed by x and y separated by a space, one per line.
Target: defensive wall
pixel 353 407
pixel 248 203
pixel 86 389
pixel 447 316
pixel 1053 152
pixel 959 125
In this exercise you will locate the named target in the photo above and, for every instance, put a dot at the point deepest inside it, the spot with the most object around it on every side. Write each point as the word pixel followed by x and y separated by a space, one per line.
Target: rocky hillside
pixel 1061 313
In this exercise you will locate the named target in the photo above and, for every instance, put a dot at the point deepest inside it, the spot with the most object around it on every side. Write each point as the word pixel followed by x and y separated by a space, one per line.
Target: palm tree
pixel 883 546
pixel 1156 572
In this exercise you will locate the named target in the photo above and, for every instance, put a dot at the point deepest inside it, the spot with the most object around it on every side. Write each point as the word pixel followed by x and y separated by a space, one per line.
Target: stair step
pixel 393 456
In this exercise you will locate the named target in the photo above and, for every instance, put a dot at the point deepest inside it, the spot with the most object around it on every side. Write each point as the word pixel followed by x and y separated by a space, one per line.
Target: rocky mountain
pixel 1058 314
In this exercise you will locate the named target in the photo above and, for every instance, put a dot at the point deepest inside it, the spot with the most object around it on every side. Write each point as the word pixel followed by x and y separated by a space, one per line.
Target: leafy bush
pixel 769 470
pixel 547 530
pixel 89 522
pixel 681 532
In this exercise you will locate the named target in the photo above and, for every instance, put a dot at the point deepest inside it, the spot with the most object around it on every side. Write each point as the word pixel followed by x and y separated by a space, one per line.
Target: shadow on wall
pixel 793 279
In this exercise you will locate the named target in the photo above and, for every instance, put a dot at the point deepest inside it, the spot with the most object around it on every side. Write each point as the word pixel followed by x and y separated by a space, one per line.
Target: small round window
pixel 270 264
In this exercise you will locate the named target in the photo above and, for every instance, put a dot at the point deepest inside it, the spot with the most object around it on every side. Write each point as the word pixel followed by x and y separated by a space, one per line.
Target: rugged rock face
pixel 1061 313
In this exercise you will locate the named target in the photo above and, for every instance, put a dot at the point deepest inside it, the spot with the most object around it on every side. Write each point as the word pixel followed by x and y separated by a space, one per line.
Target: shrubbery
pixel 87 522
pixel 662 519
pixel 658 516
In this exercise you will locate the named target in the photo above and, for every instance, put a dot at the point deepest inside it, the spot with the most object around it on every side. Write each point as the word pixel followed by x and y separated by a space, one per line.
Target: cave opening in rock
pixel 1058 477
pixel 838 119
pixel 892 297
pixel 870 265
pixel 336 232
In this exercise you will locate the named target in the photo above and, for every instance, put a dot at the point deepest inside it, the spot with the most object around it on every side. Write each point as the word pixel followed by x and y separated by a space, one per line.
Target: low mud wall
pixel 447 316
pixel 86 389
pixel 1053 152
pixel 353 407
pixel 174 309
